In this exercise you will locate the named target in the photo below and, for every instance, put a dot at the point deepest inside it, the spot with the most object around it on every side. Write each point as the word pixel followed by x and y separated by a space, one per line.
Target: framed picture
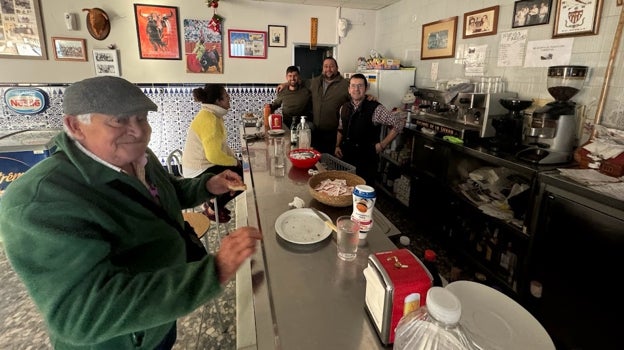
pixel 106 62
pixel 157 30
pixel 531 12
pixel 277 36
pixel 203 47
pixel 480 23
pixel 576 18
pixel 69 49
pixel 247 43
pixel 438 39
pixel 21 30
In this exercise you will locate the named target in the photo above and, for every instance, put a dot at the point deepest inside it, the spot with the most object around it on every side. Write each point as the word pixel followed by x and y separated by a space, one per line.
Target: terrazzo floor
pixel 22 327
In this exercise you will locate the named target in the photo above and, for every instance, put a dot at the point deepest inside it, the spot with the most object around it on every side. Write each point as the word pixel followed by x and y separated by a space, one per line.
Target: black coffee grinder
pixel 508 128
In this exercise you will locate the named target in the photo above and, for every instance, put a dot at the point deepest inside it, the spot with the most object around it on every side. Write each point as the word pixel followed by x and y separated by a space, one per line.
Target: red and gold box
pixel 390 277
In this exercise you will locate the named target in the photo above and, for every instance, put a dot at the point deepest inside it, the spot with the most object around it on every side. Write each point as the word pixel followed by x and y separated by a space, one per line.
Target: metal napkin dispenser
pixel 390 277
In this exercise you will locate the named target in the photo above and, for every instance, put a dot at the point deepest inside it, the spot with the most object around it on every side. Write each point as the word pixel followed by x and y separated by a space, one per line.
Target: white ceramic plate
pixel 495 321
pixel 302 226
pixel 276 132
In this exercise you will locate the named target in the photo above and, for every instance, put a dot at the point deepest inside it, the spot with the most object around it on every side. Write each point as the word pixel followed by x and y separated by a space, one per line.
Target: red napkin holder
pixel 390 277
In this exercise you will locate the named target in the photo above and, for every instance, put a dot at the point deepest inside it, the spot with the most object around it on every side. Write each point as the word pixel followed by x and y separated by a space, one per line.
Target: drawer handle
pixel 429 147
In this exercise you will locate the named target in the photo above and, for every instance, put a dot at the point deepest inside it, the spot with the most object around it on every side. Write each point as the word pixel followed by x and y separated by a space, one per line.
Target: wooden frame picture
pixel 69 49
pixel 106 62
pixel 247 43
pixel 576 18
pixel 481 22
pixel 438 39
pixel 531 13
pixel 277 36
pixel 21 30
pixel 157 32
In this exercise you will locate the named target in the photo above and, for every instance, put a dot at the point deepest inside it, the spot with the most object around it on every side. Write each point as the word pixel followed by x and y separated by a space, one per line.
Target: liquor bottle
pixel 431 263
pixel 294 136
pixel 491 248
pixel 304 134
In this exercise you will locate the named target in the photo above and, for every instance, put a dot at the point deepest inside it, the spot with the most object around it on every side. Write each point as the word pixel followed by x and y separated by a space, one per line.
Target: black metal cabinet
pixel 576 257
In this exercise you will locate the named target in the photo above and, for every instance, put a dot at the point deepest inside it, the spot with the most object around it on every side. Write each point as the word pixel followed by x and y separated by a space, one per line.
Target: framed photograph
pixel 277 36
pixel 106 62
pixel 21 30
pixel 438 39
pixel 576 18
pixel 69 49
pixel 247 43
pixel 481 23
pixel 531 13
pixel 157 30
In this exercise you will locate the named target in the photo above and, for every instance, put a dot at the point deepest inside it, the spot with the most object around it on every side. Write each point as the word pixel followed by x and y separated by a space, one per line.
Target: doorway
pixel 310 61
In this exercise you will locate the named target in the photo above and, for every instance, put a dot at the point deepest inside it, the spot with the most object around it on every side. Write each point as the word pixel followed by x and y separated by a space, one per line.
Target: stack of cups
pixel 363 204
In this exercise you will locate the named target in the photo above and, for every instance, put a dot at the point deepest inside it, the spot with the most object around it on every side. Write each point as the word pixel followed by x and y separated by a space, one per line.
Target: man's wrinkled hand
pixel 235 248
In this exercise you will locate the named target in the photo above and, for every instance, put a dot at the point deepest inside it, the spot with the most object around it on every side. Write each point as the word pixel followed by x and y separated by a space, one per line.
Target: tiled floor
pixel 22 327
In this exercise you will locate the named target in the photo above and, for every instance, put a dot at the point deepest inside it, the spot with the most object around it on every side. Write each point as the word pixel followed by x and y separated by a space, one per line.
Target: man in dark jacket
pixel 105 269
pixel 358 138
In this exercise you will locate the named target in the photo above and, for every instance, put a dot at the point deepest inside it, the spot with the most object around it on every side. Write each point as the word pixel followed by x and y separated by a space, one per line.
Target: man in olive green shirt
pixel 295 100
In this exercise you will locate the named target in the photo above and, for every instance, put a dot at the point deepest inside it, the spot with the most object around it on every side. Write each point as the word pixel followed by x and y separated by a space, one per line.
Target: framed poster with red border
pixel 157 32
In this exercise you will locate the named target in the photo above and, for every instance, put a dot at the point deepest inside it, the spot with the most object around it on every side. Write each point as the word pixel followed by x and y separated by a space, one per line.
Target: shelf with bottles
pixel 497 250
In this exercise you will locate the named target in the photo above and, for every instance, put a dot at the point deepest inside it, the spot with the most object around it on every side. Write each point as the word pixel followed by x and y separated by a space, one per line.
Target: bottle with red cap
pixel 431 263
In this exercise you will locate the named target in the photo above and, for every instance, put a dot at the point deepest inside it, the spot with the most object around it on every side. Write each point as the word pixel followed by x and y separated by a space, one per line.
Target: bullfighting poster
pixel 203 46
pixel 157 31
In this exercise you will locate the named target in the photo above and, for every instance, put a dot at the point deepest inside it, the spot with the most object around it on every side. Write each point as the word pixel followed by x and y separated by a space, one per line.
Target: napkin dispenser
pixel 390 277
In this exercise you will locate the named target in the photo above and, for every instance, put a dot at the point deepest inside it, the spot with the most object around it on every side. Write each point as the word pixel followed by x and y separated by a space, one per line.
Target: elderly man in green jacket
pixel 107 269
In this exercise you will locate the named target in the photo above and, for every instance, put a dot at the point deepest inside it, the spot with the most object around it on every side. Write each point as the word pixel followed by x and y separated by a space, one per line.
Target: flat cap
pixel 107 95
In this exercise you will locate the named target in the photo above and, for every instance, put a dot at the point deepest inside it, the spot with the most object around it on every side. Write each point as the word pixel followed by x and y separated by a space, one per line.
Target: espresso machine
pixel 550 132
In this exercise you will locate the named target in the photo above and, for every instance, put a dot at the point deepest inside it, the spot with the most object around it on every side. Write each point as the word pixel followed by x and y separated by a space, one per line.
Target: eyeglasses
pixel 357 86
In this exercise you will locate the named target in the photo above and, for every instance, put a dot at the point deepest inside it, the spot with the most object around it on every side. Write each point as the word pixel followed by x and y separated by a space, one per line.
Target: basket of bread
pixel 334 187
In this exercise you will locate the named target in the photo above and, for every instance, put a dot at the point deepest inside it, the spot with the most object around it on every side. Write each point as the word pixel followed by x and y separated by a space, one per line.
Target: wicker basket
pixel 334 201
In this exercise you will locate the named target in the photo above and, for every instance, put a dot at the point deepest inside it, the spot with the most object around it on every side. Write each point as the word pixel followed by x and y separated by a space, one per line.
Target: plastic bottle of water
pixel 434 325
pixel 305 134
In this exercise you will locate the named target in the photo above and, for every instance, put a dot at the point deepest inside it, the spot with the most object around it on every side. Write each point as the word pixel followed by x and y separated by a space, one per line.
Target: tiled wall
pixel 170 123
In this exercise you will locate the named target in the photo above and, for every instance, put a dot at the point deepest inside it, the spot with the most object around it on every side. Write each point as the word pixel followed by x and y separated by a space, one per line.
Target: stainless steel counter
pixel 304 297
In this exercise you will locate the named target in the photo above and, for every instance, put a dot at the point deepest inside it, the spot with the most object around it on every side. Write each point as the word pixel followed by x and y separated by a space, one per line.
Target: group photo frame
pixel 106 62
pixel 481 22
pixel 438 39
pixel 69 49
pixel 158 32
pixel 247 43
pixel 573 20
pixel 531 13
pixel 22 34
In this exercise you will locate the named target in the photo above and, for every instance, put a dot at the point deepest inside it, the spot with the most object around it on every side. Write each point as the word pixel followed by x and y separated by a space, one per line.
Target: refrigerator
pixel 388 86
pixel 21 150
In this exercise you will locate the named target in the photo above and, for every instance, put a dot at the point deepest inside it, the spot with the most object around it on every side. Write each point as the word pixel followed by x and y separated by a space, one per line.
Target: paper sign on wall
pixel 512 48
pixel 546 53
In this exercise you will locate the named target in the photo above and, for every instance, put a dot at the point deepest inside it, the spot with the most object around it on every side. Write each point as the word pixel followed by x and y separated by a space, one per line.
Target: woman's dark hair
pixel 210 93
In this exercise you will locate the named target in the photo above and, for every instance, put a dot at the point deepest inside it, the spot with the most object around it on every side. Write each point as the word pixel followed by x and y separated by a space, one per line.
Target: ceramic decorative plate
pixel 302 226
pixel 495 321
pixel 276 132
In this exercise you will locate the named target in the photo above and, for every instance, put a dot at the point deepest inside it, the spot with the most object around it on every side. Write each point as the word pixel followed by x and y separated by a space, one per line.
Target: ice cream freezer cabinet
pixel 21 150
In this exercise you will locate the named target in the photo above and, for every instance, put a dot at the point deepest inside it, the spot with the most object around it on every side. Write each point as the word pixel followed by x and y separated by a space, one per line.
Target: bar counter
pixel 299 296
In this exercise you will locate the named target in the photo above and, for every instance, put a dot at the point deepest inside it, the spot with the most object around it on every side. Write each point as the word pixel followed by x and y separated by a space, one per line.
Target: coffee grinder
pixel 550 132
pixel 508 127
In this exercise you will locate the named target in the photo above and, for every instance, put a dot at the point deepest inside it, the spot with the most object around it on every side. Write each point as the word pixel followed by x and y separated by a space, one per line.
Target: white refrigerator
pixel 388 86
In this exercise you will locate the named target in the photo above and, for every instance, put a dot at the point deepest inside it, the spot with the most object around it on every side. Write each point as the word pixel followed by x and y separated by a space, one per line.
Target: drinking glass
pixel 348 237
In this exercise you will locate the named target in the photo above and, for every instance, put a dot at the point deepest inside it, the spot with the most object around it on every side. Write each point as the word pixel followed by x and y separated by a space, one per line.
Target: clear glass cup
pixel 347 237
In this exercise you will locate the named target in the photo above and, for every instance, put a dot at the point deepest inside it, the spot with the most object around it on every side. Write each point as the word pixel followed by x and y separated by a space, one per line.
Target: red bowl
pixel 304 158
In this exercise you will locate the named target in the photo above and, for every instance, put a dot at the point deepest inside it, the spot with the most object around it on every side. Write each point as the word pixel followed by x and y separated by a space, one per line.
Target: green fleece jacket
pixel 325 104
pixel 104 271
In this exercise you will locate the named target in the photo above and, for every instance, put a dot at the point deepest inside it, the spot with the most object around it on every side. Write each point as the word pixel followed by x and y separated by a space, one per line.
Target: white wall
pixel 239 14
pixel 394 31
pixel 397 35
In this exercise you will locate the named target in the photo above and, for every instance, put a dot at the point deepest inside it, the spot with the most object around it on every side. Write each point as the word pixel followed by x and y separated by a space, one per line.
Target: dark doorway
pixel 310 61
